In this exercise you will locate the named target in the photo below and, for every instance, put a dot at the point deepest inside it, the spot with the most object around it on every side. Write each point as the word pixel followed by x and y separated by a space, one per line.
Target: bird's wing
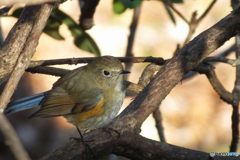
pixel 59 102
pixel 88 100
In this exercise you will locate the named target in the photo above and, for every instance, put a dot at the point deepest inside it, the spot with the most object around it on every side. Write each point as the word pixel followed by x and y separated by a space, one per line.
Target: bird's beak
pixel 124 72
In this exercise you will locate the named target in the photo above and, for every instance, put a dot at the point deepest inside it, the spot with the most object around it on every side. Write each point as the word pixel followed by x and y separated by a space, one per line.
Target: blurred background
pixel 193 114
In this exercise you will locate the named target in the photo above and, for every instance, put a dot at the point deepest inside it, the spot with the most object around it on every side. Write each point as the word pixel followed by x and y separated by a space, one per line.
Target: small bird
pixel 89 97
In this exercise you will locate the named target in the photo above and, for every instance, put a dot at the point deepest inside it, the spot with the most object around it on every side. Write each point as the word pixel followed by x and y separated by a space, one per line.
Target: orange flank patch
pixel 96 111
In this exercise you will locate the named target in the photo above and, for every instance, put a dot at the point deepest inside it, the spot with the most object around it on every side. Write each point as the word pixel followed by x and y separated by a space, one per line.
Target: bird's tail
pixel 24 103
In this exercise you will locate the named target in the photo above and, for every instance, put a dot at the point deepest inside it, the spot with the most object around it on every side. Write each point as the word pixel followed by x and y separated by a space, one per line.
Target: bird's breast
pixel 103 113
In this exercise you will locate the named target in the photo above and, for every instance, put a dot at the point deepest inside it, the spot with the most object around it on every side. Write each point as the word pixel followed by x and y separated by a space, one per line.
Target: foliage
pixel 81 38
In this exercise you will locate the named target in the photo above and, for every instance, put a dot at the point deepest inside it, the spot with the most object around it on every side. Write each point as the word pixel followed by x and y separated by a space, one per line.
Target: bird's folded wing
pixel 59 102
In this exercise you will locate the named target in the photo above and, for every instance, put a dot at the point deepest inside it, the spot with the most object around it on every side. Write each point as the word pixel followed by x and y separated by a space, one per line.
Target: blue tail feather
pixel 24 103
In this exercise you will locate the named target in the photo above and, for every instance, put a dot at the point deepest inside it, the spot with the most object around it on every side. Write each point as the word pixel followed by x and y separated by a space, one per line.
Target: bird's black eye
pixel 106 73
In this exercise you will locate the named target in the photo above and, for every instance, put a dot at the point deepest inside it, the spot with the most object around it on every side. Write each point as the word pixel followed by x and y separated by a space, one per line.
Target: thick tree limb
pixel 137 147
pixel 130 145
pixel 37 22
pixel 15 41
pixel 28 28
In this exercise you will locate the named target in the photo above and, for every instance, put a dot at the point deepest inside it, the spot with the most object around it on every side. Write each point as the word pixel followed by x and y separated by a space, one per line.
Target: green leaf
pixel 131 3
pixel 81 39
pixel 170 13
pixel 52 28
pixel 85 42
pixel 118 7
pixel 17 13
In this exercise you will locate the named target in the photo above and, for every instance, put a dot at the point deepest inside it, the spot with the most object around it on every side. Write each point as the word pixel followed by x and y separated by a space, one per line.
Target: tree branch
pixel 133 28
pixel 28 28
pixel 193 24
pixel 208 70
pixel 4 10
pixel 232 62
pixel 48 70
pixel 175 10
pixel 12 140
pixel 130 145
pixel 39 16
pixel 236 93
pixel 70 61
pixel 146 76
pixel 158 120
pixel 235 103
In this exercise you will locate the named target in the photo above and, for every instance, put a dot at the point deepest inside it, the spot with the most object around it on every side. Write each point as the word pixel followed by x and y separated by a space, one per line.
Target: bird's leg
pixel 83 141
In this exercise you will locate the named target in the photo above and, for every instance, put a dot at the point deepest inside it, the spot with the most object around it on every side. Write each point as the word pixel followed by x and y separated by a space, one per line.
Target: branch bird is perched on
pixel 89 97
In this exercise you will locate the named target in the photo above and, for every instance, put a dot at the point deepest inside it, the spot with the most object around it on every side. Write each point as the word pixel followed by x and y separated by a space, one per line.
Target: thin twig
pixel 4 10
pixel 208 70
pixel 208 59
pixel 146 76
pixel 175 10
pixel 176 50
pixel 156 60
pixel 227 51
pixel 206 11
pixel 194 21
pixel 48 70
pixel 158 120
pixel 12 140
pixel 193 24
pixel 233 62
pixel 133 28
